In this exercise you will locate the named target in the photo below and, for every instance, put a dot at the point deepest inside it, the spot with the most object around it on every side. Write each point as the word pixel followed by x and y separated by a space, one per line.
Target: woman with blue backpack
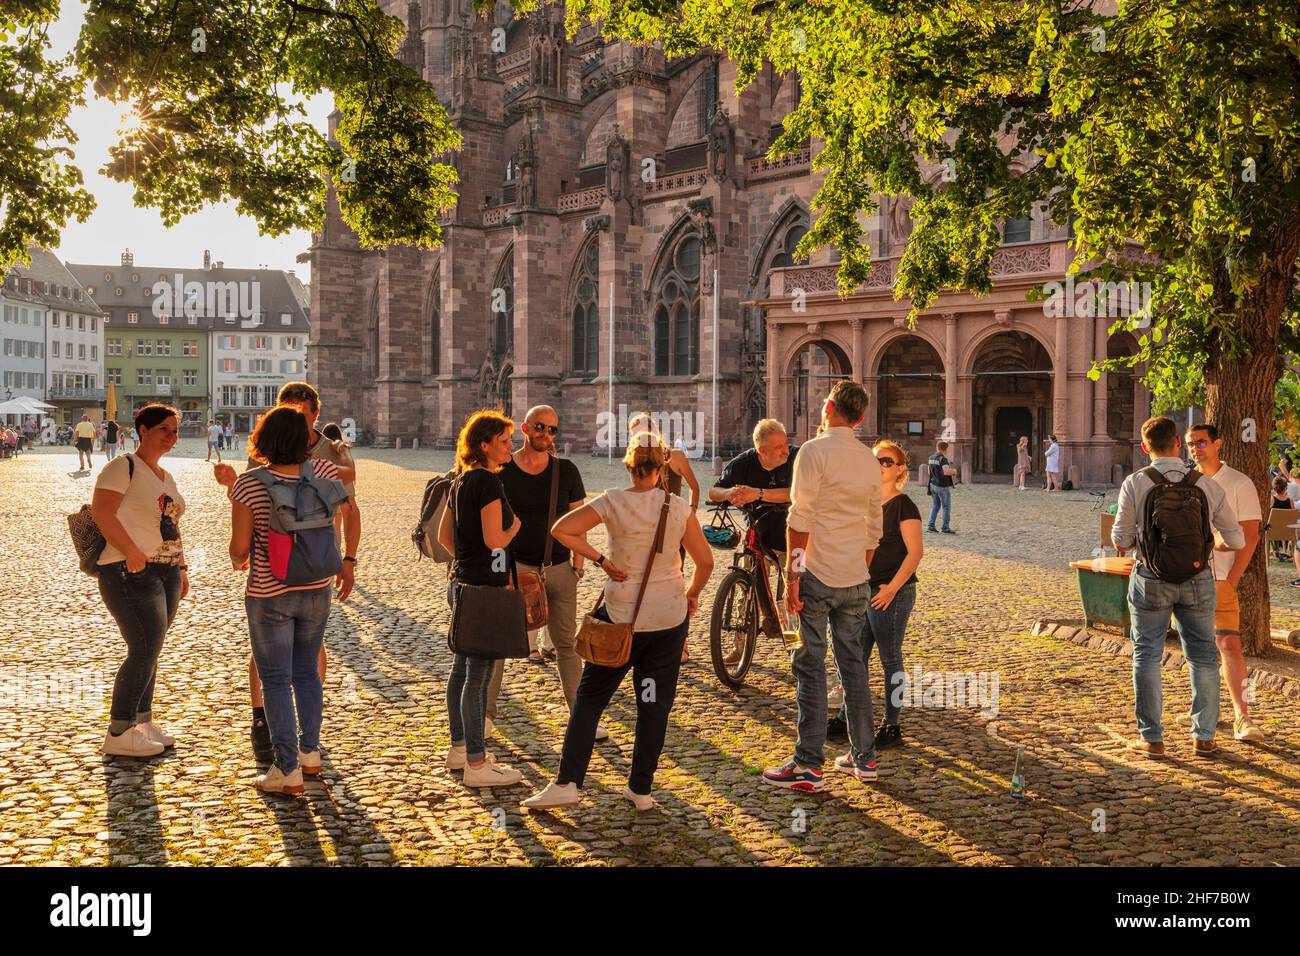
pixel 282 532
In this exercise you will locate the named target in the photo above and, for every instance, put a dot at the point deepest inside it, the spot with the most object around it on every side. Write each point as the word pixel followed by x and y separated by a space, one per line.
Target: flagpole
pixel 715 364
pixel 613 427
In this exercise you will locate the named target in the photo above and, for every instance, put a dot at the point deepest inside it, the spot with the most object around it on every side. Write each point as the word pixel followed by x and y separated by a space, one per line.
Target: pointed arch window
pixel 502 305
pixel 586 314
pixel 677 310
pixel 433 363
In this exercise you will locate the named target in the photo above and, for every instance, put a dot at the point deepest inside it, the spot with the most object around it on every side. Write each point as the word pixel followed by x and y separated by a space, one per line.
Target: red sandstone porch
pixel 979 372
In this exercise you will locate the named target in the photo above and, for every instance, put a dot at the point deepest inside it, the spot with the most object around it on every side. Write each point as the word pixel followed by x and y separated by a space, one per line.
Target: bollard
pixel 1117 474
pixel 923 473
pixel 964 469
pixel 567 446
pixel 415 444
pixel 398 444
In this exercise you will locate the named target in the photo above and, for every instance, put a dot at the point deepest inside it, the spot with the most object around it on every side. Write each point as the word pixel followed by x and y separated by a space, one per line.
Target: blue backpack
pixel 301 543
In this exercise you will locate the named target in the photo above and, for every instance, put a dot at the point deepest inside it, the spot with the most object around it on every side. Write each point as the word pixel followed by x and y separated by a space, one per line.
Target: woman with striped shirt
pixel 286 624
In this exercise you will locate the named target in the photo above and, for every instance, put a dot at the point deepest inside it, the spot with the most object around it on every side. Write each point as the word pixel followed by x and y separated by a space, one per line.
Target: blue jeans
pixel 846 611
pixel 143 604
pixel 941 496
pixel 286 633
pixel 467 698
pixel 1151 603
pixel 885 629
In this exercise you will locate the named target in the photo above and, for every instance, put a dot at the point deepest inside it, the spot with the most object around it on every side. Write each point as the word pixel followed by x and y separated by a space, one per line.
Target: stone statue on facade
pixel 616 154
pixel 720 144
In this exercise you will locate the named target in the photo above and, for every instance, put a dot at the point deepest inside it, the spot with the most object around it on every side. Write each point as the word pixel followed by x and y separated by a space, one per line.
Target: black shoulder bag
pixel 486 621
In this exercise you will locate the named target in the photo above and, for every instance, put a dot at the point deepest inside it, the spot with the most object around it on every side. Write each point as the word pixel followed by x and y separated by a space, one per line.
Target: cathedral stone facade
pixel 602 189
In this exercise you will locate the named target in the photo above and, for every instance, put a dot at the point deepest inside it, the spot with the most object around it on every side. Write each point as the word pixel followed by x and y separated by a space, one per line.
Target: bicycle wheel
pixel 733 630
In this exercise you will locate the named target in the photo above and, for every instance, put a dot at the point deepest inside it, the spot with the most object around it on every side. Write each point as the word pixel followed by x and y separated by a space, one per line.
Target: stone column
pixel 871 425
pixel 859 354
pixel 950 389
pixel 774 405
pixel 1060 380
pixel 1100 430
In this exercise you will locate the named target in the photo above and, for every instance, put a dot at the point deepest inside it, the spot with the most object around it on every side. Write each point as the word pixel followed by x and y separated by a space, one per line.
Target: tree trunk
pixel 1240 392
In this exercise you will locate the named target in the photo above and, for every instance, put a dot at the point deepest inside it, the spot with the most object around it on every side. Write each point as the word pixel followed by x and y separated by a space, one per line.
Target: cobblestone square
pixel 384 798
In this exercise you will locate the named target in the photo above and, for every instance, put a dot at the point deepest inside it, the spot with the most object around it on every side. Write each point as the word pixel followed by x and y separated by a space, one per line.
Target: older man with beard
pixel 528 477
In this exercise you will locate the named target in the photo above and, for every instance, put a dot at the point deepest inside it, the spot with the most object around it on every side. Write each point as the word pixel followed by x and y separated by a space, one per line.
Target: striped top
pixel 250 491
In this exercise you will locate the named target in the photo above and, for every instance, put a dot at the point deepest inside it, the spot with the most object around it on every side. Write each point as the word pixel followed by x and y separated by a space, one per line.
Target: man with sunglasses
pixel 1205 445
pixel 527 479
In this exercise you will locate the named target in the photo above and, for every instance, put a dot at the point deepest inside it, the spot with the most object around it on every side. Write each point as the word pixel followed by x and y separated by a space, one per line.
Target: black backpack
pixel 432 505
pixel 1176 537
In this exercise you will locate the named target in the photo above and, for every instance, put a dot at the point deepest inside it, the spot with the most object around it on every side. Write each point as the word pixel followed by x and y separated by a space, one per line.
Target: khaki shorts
pixel 1227 612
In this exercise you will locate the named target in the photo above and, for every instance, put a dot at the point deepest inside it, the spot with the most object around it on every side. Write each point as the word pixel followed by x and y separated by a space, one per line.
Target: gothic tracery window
pixel 677 310
pixel 586 314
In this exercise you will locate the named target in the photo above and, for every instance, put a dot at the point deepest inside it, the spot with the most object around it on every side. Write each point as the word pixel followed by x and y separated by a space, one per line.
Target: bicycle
pixel 744 599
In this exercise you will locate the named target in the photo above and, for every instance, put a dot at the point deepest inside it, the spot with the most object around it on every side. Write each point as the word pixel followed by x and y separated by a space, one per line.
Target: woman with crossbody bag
pixel 142 574
pixel 646 590
pixel 477 527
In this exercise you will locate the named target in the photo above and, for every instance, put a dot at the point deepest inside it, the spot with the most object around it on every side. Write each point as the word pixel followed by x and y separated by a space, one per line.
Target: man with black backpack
pixel 1171 513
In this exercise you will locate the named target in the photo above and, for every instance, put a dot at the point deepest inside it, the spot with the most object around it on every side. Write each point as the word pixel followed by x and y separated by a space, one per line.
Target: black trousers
pixel 655 661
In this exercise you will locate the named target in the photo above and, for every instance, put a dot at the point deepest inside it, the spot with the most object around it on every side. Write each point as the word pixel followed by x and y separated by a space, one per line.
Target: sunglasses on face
pixel 540 427
pixel 1200 442
pixel 886 462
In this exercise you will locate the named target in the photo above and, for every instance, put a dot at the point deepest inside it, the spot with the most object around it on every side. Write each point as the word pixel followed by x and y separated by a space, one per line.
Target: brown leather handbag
pixel 610 645
pixel 533 583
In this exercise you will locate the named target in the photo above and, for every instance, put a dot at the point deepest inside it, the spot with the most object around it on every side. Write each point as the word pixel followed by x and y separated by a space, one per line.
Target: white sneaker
pixel 640 801
pixel 156 734
pixel 553 796
pixel 309 763
pixel 273 781
pixel 1183 720
pixel 456 757
pixel 132 743
pixel 601 732
pixel 489 774
pixel 1244 729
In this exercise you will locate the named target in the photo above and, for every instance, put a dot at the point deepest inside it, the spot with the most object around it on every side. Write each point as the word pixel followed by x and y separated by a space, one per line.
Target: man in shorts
pixel 1205 445
pixel 85 432
pixel 305 398
pixel 758 482
pixel 214 439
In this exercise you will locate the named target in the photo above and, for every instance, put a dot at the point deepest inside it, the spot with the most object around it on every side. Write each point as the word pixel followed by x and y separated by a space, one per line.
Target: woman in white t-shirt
pixel 631 515
pixel 142 574
pixel 1052 464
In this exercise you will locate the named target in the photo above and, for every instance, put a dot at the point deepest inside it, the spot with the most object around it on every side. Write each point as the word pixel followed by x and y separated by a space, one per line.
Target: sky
pixel 118 224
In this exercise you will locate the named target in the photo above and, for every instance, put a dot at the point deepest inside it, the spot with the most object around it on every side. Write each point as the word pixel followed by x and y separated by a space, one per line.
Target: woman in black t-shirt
pixel 477 526
pixel 1281 549
pixel 893 582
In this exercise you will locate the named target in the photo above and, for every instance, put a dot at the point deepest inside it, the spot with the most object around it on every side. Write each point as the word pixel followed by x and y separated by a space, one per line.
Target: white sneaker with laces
pixel 274 781
pixel 640 801
pixel 134 742
pixel 309 763
pixel 553 796
pixel 602 732
pixel 156 734
pixel 490 774
pixel 1244 729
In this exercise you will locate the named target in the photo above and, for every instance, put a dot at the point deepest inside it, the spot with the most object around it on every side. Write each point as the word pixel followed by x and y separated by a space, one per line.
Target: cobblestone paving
pixel 385 798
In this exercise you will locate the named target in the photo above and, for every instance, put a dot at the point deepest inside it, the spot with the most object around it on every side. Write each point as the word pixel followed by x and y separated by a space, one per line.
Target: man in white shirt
pixel 214 439
pixel 832 528
pixel 1205 444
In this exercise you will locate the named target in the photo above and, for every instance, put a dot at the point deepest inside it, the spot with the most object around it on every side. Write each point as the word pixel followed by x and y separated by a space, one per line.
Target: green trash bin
pixel 1103 589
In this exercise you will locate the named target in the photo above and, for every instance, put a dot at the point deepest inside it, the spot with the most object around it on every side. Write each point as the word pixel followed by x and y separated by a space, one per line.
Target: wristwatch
pixel 600 560
pixel 760 494
pixel 350 558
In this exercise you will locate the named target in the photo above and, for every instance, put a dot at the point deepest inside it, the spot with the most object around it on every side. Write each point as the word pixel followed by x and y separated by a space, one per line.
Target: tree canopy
pixel 212 94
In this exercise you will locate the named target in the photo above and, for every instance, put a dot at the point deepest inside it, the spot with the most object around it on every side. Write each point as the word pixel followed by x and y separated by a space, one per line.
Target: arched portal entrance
pixel 911 392
pixel 1012 396
pixel 815 367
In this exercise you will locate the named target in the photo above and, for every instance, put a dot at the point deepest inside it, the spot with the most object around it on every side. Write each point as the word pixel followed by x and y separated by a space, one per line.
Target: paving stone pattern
pixel 944 798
